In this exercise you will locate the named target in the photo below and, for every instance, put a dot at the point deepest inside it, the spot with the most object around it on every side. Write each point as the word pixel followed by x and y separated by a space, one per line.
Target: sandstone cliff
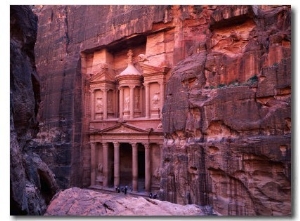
pixel 227 110
pixel 32 184
pixel 227 115
pixel 64 32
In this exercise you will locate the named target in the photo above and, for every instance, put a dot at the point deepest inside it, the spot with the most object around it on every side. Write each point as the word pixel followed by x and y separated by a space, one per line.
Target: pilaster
pixel 116 164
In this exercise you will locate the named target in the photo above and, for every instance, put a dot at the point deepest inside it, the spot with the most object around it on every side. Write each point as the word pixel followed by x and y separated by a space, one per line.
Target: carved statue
pixel 100 167
pixel 127 100
pixel 157 173
pixel 137 104
pixel 142 58
pixel 155 99
pixel 99 104
pixel 109 105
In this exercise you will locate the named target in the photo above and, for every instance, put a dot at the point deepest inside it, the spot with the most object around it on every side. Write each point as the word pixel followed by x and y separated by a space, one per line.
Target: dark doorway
pixel 141 168
pixel 125 164
pixel 110 165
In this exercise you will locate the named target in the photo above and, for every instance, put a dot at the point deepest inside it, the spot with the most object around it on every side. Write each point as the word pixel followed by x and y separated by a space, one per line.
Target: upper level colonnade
pixel 128 95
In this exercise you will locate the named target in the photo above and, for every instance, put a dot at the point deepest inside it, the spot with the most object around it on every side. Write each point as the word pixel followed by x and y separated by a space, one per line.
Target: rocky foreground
pixel 84 202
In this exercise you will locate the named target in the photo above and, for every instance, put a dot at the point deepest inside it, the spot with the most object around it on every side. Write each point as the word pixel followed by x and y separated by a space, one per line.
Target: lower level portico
pixel 124 155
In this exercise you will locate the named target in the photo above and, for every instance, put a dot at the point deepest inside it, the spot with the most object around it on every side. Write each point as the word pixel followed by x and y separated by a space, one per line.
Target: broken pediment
pixel 105 75
pixel 125 128
pixel 153 69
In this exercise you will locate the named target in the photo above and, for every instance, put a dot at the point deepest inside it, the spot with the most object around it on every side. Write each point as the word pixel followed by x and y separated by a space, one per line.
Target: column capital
pixel 133 144
pixel 161 82
pixel 105 144
pixel 116 143
pixel 105 89
pixel 146 145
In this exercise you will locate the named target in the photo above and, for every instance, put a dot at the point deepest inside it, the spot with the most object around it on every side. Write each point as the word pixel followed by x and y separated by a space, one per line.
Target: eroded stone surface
pixel 83 202
pixel 32 183
pixel 226 115
pixel 228 138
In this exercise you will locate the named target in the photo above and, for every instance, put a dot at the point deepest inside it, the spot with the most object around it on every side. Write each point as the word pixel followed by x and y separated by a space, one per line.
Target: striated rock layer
pixel 32 183
pixel 227 108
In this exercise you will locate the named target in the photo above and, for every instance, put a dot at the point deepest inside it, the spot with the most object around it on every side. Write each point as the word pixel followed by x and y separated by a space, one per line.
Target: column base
pixel 155 113
pixel 137 113
pixel 126 114
pixel 98 116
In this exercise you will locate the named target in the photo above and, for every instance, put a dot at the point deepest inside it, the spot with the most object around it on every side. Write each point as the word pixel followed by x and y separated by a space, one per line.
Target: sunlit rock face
pixel 226 108
pixel 32 183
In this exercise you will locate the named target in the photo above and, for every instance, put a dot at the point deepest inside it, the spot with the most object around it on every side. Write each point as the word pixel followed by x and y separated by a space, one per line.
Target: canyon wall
pixel 227 109
pixel 64 34
pixel 227 114
pixel 32 183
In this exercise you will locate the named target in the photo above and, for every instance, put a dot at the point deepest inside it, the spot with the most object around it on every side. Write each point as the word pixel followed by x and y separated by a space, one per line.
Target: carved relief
pixel 99 104
pixel 126 102
pixel 137 103
pixel 100 168
pixel 109 105
pixel 155 100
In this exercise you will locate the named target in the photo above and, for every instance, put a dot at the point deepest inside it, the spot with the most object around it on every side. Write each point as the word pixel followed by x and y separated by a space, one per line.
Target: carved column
pixel 147 167
pixel 134 166
pixel 93 164
pixel 105 104
pixel 115 107
pixel 121 101
pixel 142 105
pixel 162 97
pixel 147 96
pixel 116 164
pixel 92 104
pixel 131 101
pixel 105 163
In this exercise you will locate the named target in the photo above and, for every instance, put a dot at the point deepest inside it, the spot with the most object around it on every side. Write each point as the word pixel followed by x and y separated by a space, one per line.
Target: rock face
pixel 32 184
pixel 227 107
pixel 83 202
pixel 227 116
pixel 62 141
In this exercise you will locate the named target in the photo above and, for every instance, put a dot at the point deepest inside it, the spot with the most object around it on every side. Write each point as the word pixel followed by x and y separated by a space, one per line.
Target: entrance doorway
pixel 125 164
pixel 141 168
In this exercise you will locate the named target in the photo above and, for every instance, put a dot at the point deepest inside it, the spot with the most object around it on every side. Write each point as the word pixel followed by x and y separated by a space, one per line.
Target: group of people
pixel 122 189
pixel 125 189
pixel 153 196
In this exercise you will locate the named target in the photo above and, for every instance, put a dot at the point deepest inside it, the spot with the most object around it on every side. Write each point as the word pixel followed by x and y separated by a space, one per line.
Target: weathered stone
pixel 32 184
pixel 81 202
pixel 226 115
pixel 241 113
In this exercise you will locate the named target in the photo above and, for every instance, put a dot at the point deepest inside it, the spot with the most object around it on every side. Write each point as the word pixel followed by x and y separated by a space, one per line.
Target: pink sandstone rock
pixel 222 135
pixel 83 202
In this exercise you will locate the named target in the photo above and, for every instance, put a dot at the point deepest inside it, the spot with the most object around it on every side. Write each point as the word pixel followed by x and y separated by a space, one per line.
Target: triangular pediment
pixel 153 69
pixel 124 128
pixel 103 76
